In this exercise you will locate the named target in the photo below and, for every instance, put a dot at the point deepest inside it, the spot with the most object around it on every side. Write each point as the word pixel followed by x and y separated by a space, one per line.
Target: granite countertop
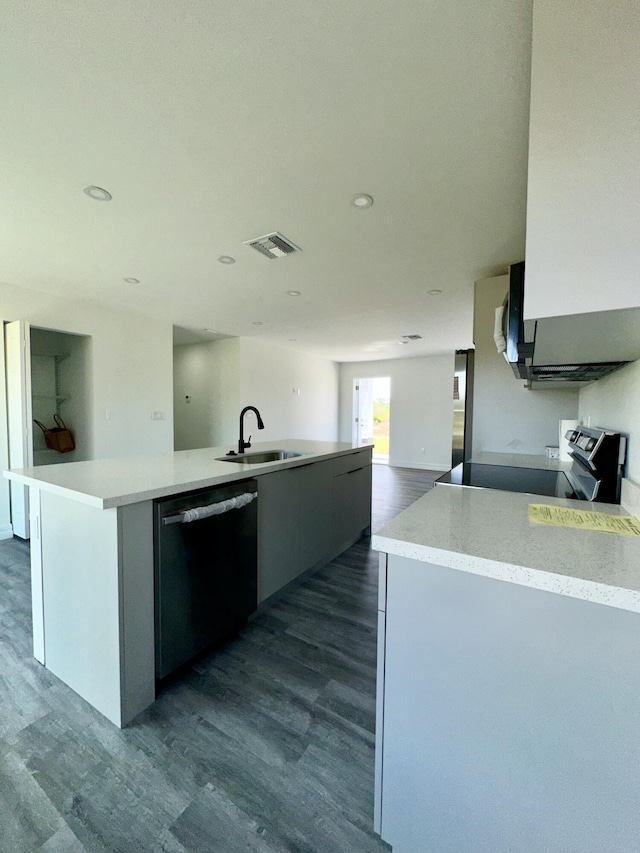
pixel 487 532
pixel 108 483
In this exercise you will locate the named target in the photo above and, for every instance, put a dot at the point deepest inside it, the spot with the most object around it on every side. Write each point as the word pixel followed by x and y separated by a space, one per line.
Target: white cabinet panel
pixel 37 602
pixel 583 201
pixel 81 589
pixel 510 717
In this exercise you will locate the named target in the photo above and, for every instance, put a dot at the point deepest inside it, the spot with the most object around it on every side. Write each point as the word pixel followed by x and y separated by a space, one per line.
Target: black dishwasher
pixel 206 554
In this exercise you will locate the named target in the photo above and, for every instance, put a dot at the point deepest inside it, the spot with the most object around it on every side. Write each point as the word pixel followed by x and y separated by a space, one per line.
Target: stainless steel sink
pixel 260 456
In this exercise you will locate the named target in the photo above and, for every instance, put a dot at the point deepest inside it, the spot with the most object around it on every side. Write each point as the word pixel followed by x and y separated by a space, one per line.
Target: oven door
pixel 583 482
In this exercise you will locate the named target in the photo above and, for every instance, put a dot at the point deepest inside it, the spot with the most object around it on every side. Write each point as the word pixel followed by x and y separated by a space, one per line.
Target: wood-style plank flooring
pixel 265 745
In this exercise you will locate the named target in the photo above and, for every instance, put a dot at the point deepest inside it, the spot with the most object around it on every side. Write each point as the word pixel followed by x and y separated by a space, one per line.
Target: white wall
pixel 614 403
pixel 131 370
pixel 269 374
pixel 506 417
pixel 222 377
pixel 209 374
pixel 421 409
pixel 131 367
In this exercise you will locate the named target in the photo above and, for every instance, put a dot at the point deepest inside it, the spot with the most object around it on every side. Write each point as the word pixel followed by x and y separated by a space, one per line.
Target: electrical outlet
pixel 157 416
pixel 108 414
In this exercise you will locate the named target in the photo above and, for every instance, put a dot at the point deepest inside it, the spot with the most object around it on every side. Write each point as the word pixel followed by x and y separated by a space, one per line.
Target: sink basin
pixel 260 456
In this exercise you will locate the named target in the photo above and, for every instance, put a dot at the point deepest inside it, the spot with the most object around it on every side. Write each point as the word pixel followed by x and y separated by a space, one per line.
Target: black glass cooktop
pixel 531 480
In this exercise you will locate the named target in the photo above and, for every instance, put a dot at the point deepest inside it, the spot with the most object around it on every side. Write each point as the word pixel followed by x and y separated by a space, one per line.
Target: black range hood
pixel 572 372
pixel 568 351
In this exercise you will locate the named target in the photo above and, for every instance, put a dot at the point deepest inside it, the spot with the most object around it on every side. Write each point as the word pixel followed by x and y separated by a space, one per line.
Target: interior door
pixel 356 413
pixel 362 411
pixel 19 424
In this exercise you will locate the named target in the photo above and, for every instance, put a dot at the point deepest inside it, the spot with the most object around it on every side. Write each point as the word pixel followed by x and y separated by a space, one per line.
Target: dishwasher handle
pixel 186 516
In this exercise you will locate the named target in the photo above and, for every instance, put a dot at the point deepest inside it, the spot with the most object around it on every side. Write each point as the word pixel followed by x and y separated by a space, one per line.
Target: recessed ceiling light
pixel 293 293
pixel 226 259
pixel 132 280
pixel 292 340
pixel 256 323
pixel 434 292
pixel 97 193
pixel 361 201
pixel 211 331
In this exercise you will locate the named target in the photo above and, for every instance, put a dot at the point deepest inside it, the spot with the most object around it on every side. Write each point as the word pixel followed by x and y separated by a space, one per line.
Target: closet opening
pixel 46 377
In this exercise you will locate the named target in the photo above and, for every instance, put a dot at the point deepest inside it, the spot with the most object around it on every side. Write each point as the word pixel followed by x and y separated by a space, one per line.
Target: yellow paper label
pixel 580 519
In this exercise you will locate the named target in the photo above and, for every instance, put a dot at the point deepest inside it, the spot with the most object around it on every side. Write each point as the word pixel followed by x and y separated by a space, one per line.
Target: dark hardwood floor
pixel 394 489
pixel 264 745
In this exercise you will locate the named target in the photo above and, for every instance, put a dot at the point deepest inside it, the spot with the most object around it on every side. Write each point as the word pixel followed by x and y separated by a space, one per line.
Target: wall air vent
pixel 273 245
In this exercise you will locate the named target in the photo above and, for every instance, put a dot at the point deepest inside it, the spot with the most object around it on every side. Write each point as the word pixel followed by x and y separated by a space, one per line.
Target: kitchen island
pixel 92 555
pixel 508 680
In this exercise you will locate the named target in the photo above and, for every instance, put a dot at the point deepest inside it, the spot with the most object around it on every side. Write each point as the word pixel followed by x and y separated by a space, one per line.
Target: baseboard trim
pixel 425 466
pixel 6 531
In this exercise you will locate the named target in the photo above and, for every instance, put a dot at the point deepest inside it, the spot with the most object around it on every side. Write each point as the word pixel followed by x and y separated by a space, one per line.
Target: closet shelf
pixel 38 353
pixel 49 397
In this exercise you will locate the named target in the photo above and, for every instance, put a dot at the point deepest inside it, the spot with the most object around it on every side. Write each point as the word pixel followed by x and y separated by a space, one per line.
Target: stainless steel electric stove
pixel 597 464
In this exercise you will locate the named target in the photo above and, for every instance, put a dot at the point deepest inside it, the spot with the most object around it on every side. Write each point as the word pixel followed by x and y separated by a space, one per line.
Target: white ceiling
pixel 215 122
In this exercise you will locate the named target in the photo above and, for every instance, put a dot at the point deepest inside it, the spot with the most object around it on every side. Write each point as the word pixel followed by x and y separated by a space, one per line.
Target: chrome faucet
pixel 242 444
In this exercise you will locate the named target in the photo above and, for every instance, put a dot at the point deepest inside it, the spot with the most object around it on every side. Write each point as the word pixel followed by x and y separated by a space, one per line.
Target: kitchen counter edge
pixel 91 476
pixel 452 527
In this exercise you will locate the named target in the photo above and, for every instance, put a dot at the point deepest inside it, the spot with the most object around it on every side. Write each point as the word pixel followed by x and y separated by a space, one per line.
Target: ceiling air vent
pixel 412 337
pixel 273 245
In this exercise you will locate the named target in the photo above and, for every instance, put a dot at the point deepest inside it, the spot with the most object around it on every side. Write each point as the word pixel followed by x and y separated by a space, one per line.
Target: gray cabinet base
pixel 510 717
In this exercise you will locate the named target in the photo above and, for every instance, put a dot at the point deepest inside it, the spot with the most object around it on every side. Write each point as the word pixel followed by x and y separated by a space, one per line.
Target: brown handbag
pixel 58 438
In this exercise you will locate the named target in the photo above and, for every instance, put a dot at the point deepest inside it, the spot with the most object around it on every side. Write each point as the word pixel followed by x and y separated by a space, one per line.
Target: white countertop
pixel 487 532
pixel 107 483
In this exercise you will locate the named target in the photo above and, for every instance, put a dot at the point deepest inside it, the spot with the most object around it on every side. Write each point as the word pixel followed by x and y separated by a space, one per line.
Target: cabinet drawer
pixel 351 461
pixel 351 505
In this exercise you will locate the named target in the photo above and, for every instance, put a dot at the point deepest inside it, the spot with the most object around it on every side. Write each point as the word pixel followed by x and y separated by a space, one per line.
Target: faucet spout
pixel 242 444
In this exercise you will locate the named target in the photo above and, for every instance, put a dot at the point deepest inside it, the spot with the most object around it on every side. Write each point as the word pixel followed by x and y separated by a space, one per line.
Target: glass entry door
pixel 372 415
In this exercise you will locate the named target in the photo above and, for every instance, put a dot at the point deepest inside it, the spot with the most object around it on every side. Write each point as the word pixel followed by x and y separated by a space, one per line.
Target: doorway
pixel 372 415
pixel 462 406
